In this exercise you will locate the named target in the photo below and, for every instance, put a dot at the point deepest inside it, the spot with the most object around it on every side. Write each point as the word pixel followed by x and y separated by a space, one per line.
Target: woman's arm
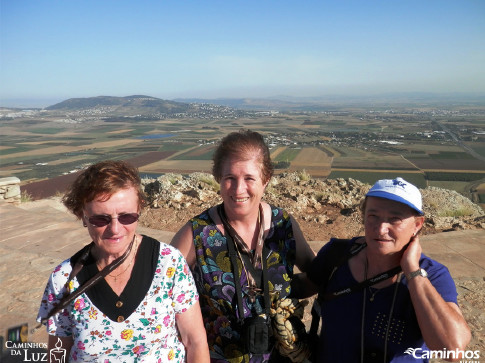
pixel 301 286
pixel 66 342
pixel 193 334
pixel 442 324
pixel 304 253
pixel 183 241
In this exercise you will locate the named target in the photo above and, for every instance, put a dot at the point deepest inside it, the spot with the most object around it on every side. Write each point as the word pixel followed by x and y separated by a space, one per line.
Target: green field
pixel 174 147
pixel 454 177
pixel 287 155
pixel 47 130
pixel 372 177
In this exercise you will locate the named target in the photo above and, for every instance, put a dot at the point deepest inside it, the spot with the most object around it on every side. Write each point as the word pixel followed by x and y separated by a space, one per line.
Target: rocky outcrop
pixel 323 207
pixel 10 190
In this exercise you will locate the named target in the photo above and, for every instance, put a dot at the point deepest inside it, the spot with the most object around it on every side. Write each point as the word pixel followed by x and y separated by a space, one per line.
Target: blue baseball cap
pixel 398 190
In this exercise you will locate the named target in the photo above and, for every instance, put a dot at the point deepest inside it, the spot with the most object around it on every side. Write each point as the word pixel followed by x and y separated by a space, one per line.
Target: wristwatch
pixel 420 272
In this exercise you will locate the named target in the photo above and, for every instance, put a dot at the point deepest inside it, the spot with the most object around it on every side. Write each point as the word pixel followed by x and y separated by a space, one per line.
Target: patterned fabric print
pixel 215 282
pixel 397 328
pixel 148 334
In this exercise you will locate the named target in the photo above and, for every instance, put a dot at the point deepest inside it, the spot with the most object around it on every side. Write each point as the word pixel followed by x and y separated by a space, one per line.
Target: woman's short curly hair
pixel 242 145
pixel 102 180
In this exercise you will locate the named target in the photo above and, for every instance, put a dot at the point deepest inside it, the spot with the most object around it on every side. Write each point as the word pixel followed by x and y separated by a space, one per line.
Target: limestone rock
pixel 323 208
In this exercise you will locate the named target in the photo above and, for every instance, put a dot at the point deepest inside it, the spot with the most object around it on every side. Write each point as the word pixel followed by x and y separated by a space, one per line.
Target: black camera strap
pixel 362 285
pixel 234 255
pixel 354 250
pixel 341 254
pixel 71 296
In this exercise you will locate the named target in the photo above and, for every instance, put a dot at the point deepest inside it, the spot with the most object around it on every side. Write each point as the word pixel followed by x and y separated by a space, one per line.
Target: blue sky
pixel 54 50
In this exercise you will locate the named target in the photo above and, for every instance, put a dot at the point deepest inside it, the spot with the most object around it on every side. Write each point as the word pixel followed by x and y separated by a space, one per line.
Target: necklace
pixel 372 291
pixel 128 266
pixel 254 257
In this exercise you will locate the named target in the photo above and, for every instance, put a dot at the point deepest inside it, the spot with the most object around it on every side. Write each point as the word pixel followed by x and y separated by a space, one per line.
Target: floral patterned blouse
pixel 215 283
pixel 148 334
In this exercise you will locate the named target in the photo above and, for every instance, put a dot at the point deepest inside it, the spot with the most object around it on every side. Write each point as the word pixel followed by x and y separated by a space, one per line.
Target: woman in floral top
pixel 146 308
pixel 242 166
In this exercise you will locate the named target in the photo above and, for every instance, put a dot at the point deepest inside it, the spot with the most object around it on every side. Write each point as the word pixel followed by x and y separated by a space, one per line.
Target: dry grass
pixel 181 166
pixel 120 131
pixel 311 157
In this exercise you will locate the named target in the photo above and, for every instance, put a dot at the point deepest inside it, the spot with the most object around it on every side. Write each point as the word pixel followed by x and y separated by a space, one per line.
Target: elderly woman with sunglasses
pixel 145 305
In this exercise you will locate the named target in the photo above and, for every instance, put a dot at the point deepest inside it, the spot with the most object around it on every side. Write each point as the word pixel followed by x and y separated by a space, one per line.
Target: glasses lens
pixel 103 220
pixel 128 218
pixel 99 220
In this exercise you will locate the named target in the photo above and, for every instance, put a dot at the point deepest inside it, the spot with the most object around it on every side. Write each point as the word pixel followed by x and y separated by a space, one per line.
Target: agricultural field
pixel 426 146
pixel 370 177
pixel 312 160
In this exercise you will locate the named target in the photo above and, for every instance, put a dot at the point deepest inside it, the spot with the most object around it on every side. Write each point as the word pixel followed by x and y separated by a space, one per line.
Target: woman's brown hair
pixel 242 145
pixel 102 180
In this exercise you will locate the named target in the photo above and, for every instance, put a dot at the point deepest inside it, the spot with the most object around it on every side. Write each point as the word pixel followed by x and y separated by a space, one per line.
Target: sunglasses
pixel 102 220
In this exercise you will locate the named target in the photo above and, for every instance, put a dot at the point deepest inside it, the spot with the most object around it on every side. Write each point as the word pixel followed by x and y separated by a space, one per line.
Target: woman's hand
pixel 411 255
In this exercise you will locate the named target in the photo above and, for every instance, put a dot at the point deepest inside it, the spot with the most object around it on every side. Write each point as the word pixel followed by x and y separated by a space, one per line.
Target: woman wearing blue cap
pixel 381 299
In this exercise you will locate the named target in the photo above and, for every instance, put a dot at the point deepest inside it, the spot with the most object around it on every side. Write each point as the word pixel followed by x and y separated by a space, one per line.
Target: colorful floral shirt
pixel 215 283
pixel 149 334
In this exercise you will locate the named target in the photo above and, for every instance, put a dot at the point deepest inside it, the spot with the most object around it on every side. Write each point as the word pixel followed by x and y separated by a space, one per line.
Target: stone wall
pixel 10 189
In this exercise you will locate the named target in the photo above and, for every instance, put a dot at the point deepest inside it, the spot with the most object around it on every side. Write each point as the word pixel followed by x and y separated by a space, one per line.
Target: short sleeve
pixel 440 278
pixel 59 324
pixel 184 293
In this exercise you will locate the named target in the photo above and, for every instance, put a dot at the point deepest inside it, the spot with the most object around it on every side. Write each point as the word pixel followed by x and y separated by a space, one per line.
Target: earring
pixel 84 224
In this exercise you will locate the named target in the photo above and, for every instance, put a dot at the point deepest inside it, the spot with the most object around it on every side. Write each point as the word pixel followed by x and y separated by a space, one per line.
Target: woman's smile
pixel 240 200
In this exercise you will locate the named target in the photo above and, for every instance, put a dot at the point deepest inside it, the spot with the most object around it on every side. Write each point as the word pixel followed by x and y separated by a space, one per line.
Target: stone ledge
pixel 10 189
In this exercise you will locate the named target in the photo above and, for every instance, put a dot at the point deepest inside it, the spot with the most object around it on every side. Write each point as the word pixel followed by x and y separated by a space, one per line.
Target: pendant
pixel 373 294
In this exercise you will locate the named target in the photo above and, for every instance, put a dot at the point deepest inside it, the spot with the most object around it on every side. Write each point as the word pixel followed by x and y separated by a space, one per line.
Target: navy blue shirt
pixel 344 321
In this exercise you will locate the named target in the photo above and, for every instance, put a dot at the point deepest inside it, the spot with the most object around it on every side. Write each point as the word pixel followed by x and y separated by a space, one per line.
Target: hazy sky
pixel 209 49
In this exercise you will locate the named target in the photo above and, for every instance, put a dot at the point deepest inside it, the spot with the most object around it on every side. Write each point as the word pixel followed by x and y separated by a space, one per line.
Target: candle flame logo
pixel 58 354
pixel 58 344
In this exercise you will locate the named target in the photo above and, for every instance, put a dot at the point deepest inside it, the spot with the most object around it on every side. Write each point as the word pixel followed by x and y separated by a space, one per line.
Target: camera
pixel 257 333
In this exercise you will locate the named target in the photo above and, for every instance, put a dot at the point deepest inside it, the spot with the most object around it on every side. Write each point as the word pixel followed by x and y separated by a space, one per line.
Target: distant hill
pixel 280 104
pixel 343 102
pixel 149 106
pixel 127 105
